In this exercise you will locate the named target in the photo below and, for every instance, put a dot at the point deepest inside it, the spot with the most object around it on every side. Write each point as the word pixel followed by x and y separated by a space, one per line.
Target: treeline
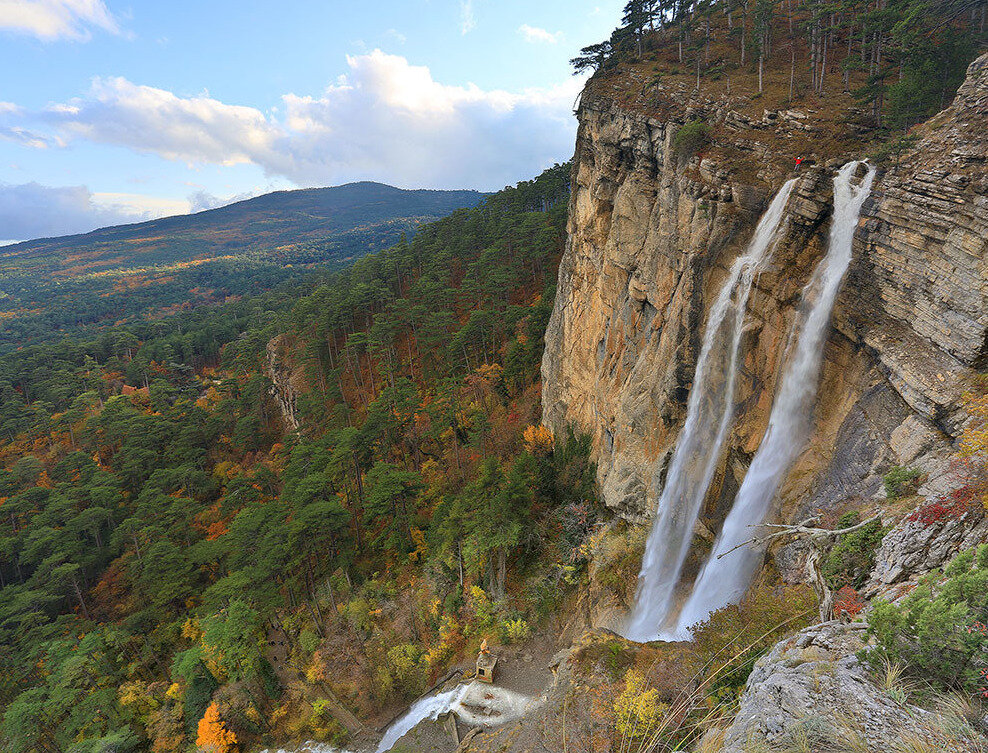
pixel 158 529
pixel 903 59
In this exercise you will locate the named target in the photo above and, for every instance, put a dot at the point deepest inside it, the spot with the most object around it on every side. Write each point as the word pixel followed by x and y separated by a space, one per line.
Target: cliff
pixel 652 231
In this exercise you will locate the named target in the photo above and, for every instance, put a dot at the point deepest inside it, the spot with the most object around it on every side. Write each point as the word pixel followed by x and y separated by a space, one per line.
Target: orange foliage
pixel 538 440
pixel 213 734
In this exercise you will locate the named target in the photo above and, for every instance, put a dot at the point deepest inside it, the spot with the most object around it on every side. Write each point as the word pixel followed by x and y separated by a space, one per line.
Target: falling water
pixel 725 578
pixel 708 418
pixel 477 704
pixel 424 708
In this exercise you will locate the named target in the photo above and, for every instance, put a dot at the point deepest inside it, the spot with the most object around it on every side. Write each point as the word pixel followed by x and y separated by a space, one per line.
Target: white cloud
pixel 138 205
pixel 385 120
pixel 31 210
pixel 396 35
pixel 56 19
pixel 468 21
pixel 202 200
pixel 190 129
pixel 536 35
pixel 27 138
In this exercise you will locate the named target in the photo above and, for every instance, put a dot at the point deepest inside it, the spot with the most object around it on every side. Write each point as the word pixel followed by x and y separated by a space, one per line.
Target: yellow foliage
pixel 974 440
pixel 137 694
pixel 538 439
pixel 213 734
pixel 174 691
pixel 418 538
pixel 190 629
pixel 637 708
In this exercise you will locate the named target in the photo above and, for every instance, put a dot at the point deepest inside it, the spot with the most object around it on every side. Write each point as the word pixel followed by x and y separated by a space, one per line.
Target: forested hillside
pixel 75 284
pixel 896 62
pixel 177 569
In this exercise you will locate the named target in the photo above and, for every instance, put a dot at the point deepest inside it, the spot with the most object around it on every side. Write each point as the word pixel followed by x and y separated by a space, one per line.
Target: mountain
pixel 59 284
pixel 264 223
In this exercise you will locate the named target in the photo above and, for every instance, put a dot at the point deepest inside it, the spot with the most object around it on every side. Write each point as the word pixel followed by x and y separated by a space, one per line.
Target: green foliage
pixel 198 693
pixel 731 640
pixel 850 561
pixel 691 138
pixel 169 525
pixel 897 479
pixel 937 631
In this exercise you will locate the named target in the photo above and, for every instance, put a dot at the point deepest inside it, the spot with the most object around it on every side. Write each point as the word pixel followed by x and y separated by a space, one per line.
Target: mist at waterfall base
pixel 708 417
pixel 477 704
pixel 731 565
pixel 424 708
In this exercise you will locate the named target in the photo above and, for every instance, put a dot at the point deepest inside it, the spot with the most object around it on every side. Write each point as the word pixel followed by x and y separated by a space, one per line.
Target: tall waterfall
pixel 725 577
pixel 708 417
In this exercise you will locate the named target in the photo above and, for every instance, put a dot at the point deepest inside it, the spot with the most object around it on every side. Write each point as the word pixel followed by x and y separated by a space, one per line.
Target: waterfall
pixel 477 704
pixel 725 577
pixel 708 418
pixel 424 708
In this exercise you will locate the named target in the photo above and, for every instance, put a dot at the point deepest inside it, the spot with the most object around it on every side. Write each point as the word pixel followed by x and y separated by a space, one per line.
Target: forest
pixel 160 529
pixel 902 60
pixel 78 285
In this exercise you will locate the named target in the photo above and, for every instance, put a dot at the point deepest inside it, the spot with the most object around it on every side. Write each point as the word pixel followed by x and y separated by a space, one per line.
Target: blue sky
pixel 116 111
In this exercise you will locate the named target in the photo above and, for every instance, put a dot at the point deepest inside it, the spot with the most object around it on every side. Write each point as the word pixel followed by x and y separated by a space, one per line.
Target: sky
pixel 114 111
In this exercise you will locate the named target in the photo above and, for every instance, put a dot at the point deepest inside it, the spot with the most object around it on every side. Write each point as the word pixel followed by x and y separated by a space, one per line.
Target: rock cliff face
pixel 282 389
pixel 651 234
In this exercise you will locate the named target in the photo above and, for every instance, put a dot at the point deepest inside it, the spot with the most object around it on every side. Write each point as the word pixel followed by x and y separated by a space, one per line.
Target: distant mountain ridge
pixel 53 286
pixel 267 221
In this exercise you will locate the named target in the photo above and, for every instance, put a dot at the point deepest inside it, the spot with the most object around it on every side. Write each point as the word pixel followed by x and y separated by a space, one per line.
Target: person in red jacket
pixel 799 161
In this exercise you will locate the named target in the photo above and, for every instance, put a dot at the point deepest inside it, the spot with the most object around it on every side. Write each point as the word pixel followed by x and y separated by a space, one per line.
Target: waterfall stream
pixel 727 573
pixel 708 418
pixel 424 708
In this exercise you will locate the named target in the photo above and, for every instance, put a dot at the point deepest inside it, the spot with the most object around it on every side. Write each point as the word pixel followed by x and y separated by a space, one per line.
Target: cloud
pixel 384 120
pixel 536 35
pixel 468 21
pixel 56 19
pixel 189 129
pixel 396 35
pixel 202 200
pixel 32 210
pixel 27 138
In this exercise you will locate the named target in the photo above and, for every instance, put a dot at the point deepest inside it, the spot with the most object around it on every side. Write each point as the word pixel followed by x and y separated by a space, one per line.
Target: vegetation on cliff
pixel 901 59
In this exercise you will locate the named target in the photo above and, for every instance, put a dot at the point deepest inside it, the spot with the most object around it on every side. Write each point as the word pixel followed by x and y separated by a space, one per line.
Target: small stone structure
pixel 486 661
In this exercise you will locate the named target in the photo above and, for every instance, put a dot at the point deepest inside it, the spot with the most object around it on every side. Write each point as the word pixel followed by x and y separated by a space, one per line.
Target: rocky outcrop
pixel 811 692
pixel 282 389
pixel 651 234
pixel 916 546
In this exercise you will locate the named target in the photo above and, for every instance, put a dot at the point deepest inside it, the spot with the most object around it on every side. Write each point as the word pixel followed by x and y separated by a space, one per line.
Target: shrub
pixel 308 640
pixel 848 603
pixel 691 138
pixel 934 630
pixel 951 506
pixel 637 708
pixel 974 440
pixel 897 479
pixel 405 668
pixel 727 645
pixel 851 560
pixel 513 631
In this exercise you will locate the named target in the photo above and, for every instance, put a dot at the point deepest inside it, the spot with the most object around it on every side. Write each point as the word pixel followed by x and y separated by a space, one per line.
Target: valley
pixel 681 445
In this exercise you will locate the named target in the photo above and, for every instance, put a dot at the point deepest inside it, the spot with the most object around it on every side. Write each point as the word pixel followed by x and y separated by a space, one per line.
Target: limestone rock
pixel 812 688
pixel 651 234
pixel 912 548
